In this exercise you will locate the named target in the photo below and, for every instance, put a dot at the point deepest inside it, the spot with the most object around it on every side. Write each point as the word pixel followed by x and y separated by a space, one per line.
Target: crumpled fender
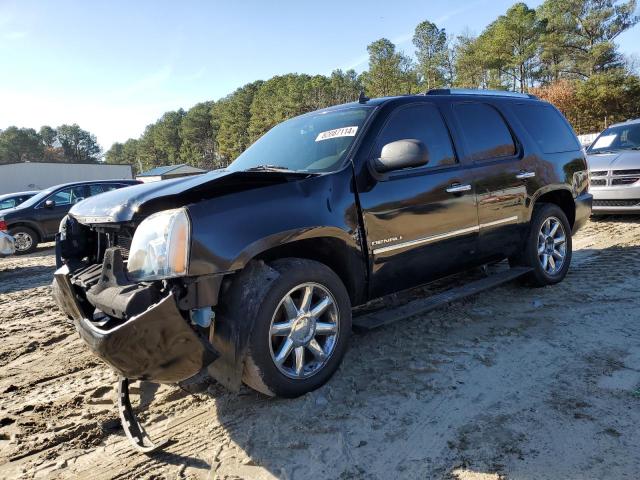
pixel 234 322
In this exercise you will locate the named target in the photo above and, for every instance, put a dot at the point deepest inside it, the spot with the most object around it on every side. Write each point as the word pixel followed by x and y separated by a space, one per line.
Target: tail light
pixel 3 225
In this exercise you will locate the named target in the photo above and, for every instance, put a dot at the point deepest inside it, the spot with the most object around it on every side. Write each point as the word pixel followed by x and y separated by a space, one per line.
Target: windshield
pixel 7 201
pixel 316 142
pixel 621 137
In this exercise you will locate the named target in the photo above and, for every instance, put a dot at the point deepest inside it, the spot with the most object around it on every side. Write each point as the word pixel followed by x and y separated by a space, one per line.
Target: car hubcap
pixel 552 245
pixel 23 241
pixel 304 330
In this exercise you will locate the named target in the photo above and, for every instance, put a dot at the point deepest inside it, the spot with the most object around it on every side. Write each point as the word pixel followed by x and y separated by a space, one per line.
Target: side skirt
pixel 370 321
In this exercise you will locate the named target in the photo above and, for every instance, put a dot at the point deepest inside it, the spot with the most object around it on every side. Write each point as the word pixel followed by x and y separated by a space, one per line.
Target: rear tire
pixel 548 247
pixel 306 311
pixel 26 239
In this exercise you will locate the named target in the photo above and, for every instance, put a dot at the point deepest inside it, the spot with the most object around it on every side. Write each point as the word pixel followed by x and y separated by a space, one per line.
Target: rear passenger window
pixel 547 127
pixel 420 122
pixel 486 134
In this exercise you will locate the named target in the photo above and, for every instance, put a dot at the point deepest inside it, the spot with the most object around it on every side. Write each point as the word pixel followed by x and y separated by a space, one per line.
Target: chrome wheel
pixel 23 241
pixel 304 330
pixel 552 245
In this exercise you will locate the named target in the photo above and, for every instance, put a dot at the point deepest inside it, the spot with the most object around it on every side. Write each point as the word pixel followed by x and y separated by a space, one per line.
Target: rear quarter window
pixel 547 127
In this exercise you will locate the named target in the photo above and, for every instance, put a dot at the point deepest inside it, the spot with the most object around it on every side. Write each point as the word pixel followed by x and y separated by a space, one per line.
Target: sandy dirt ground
pixel 514 383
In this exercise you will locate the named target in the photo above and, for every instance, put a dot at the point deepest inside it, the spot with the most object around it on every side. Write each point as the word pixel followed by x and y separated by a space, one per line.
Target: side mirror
pixel 49 204
pixel 402 154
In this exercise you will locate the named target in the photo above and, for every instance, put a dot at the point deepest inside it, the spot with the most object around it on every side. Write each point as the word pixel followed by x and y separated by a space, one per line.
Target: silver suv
pixel 614 168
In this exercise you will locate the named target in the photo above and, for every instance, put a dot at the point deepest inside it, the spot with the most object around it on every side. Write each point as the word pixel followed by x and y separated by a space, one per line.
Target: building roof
pixel 171 169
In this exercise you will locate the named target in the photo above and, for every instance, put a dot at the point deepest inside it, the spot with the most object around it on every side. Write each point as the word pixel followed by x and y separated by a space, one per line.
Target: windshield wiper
pixel 268 168
pixel 604 151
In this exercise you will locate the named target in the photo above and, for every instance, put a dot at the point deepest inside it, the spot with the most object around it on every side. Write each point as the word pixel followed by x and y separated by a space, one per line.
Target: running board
pixel 370 321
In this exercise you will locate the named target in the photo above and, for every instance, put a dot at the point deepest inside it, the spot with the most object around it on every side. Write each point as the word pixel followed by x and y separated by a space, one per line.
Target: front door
pixel 63 199
pixel 421 222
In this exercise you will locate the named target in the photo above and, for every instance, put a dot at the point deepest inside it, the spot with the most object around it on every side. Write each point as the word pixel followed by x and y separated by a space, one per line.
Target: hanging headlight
pixel 160 246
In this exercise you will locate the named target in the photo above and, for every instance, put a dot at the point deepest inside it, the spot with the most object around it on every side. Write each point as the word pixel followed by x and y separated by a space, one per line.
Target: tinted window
pixel 421 122
pixel 68 196
pixel 485 132
pixel 547 128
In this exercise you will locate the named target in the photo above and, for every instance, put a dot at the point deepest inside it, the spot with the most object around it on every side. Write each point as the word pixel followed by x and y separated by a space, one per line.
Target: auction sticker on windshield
pixel 604 141
pixel 337 132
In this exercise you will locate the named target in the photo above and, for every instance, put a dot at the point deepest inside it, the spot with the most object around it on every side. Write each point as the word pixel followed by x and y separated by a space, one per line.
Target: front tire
pixel 301 331
pixel 26 239
pixel 548 249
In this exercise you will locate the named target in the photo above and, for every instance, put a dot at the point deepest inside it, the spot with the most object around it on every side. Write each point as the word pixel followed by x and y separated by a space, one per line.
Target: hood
pixel 139 201
pixel 622 160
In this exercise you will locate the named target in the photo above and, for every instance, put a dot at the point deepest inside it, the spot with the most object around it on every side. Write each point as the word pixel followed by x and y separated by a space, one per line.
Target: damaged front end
pixel 136 328
pixel 156 329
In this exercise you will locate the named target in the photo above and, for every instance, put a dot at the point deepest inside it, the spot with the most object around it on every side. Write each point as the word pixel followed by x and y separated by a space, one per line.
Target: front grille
pixel 624 180
pixel 602 173
pixel 616 203
pixel 627 172
pixel 599 182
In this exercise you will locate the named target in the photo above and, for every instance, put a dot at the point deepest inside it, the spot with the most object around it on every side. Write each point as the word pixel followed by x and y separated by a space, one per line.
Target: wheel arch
pixel 31 225
pixel 561 197
pixel 345 260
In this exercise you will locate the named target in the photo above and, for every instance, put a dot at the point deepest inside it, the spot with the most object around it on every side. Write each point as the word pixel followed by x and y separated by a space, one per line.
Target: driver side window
pixel 68 196
pixel 422 122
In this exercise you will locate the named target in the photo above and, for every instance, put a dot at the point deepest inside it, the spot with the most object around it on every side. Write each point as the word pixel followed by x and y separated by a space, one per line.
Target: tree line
pixel 65 144
pixel 563 51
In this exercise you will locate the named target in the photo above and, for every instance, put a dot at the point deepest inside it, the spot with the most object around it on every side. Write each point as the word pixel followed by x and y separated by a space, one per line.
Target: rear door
pixel 500 173
pixel 421 222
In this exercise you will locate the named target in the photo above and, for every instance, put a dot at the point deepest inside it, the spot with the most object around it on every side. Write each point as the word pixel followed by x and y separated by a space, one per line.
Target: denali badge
pixel 384 241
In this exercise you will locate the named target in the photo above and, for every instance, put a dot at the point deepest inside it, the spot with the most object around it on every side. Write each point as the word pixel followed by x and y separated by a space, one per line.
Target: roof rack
pixel 473 91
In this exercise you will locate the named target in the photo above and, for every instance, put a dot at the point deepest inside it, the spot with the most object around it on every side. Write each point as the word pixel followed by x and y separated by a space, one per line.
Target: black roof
pixel 457 93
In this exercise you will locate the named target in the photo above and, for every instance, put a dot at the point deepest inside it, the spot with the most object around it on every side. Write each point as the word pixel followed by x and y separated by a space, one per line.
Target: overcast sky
pixel 114 67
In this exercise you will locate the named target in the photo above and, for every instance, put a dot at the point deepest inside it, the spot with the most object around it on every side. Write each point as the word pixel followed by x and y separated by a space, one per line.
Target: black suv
pixel 250 273
pixel 38 218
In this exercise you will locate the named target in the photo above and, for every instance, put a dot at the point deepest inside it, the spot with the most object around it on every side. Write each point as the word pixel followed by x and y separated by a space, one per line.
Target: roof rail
pixel 474 91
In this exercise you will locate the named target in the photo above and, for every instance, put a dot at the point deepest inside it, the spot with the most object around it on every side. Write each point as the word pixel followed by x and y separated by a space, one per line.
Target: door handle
pixel 458 187
pixel 524 175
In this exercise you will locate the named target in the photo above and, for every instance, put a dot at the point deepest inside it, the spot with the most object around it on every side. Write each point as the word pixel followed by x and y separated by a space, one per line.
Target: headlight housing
pixel 160 246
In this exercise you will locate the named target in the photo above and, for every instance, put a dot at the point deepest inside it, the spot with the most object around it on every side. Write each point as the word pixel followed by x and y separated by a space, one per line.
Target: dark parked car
pixel 251 272
pixel 12 200
pixel 38 218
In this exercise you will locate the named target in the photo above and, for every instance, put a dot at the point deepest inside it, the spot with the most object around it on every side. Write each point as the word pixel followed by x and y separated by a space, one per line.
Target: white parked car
pixel 614 168
pixel 7 245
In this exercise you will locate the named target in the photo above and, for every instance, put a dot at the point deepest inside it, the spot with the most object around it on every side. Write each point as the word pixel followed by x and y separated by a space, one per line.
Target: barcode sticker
pixel 337 132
